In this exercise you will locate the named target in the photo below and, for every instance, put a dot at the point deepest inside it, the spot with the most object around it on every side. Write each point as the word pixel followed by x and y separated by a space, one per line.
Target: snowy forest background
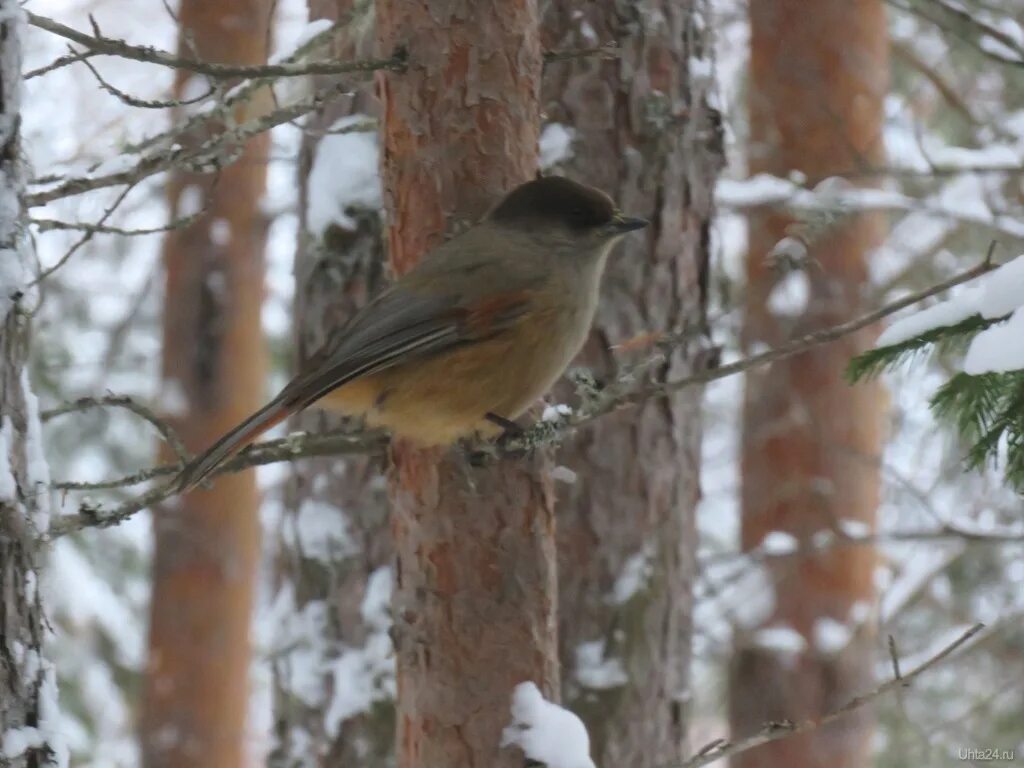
pixel 948 546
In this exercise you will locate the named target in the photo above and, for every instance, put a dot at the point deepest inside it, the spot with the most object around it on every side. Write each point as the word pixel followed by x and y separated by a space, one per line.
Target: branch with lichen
pixel 597 401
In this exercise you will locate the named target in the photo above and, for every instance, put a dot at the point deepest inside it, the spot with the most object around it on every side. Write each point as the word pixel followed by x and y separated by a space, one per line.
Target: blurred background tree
pixel 207 543
pixel 810 443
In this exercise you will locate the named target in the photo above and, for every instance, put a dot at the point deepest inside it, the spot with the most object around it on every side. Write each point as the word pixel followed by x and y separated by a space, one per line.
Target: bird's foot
pixel 509 442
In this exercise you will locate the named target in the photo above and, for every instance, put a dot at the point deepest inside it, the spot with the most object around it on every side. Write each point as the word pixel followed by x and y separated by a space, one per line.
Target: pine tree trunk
pixel 336 270
pixel 812 444
pixel 207 543
pixel 645 134
pixel 475 591
pixel 28 687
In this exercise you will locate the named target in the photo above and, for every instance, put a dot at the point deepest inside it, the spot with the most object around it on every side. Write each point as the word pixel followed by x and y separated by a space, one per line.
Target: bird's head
pixel 557 208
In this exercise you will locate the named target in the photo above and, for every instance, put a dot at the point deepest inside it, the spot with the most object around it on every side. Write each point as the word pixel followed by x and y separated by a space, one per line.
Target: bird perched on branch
pixel 468 339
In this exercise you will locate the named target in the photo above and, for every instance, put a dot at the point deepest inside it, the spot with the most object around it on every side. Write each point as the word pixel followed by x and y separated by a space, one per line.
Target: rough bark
pixel 336 271
pixel 207 543
pixel 644 133
pixel 811 444
pixel 475 592
pixel 28 688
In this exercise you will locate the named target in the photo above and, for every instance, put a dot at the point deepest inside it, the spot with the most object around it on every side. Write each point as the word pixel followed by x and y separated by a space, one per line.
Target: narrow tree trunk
pixel 811 444
pixel 644 133
pixel 337 268
pixel 474 602
pixel 207 543
pixel 28 687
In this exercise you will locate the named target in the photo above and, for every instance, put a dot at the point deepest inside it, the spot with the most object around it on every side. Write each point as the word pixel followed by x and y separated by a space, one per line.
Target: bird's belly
pixel 441 399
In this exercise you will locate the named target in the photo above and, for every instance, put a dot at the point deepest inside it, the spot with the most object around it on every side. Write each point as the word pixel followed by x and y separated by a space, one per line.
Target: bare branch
pixel 63 61
pixel 48 225
pixel 543 433
pixel 210 156
pixel 296 446
pixel 99 44
pixel 121 401
pixel 132 101
pixel 808 341
pixel 621 393
pixel 719 750
pixel 86 237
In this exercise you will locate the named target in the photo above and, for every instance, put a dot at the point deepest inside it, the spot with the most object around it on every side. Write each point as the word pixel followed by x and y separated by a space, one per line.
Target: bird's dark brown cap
pixel 555 200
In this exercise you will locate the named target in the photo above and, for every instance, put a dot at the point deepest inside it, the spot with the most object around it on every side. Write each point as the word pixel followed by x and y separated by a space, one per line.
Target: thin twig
pixel 133 101
pixel 63 61
pixel 210 156
pixel 122 401
pixel 780 730
pixel 86 236
pixel 47 225
pixel 808 341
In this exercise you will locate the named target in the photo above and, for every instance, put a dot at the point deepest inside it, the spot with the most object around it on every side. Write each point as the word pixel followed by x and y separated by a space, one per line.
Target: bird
pixel 467 340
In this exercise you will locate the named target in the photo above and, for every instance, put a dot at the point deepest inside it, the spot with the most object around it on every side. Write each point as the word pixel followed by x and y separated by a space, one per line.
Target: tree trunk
pixel 644 133
pixel 812 444
pixel 475 591
pixel 207 543
pixel 337 268
pixel 28 702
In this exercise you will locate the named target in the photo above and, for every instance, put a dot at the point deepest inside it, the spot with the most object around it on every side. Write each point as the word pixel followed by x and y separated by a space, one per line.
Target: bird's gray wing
pixel 398 326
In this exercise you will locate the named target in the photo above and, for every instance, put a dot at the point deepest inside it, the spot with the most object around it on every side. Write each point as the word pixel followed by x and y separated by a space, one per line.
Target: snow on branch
pixel 986 401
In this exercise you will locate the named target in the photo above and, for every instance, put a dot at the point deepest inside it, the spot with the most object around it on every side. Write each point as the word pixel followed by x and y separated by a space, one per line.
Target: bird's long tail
pixel 234 441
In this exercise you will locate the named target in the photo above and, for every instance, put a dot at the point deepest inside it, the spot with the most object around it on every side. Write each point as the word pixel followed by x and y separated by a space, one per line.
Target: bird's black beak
pixel 620 225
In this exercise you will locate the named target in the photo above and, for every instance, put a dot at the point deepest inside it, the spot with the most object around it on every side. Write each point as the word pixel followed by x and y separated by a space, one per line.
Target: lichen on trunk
pixel 627 536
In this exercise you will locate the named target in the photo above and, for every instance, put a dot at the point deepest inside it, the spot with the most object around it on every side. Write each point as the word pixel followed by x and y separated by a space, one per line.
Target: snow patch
pixel 831 636
pixel 597 670
pixel 546 732
pixel 555 144
pixel 785 641
pixel 322 532
pixel 790 295
pixel 345 175
pixel 563 474
pixel 555 412
pixel 636 571
pixel 779 543
pixel 172 400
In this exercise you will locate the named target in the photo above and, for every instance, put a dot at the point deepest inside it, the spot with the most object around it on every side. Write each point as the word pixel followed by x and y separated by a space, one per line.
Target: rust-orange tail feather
pixel 234 441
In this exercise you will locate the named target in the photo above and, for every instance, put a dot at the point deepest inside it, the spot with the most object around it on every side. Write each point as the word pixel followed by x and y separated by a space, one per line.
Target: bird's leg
pixel 480 455
pixel 511 429
pixel 506 439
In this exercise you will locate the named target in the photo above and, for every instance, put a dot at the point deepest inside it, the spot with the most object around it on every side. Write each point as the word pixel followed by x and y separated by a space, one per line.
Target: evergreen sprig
pixel 949 338
pixel 987 410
